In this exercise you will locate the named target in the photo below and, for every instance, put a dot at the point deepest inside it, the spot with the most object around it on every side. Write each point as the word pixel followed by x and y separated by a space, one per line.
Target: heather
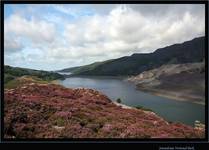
pixel 42 110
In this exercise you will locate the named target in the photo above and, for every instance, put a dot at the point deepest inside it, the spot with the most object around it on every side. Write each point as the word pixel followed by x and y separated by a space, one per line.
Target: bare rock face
pixel 175 81
pixel 52 111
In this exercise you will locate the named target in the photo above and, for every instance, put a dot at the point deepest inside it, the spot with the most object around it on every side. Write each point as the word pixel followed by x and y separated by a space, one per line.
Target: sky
pixel 55 36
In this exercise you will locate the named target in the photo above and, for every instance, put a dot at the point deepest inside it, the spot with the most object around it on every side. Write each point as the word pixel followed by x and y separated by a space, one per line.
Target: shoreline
pixel 162 93
pixel 94 76
pixel 170 95
pixel 124 106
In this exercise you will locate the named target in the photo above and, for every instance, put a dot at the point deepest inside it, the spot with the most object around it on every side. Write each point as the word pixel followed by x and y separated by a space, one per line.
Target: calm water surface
pixel 114 88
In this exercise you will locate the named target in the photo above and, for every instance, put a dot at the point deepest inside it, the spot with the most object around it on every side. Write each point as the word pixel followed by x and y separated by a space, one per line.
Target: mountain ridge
pixel 185 52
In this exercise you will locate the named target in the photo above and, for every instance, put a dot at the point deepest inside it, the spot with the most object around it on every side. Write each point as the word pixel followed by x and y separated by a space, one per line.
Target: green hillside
pixel 11 73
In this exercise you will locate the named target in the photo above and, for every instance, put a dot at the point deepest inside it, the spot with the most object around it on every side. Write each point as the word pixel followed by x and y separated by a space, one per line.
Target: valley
pixel 129 97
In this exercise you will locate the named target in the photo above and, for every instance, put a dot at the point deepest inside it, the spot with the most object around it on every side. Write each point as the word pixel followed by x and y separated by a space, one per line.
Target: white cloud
pixel 34 30
pixel 124 30
pixel 12 45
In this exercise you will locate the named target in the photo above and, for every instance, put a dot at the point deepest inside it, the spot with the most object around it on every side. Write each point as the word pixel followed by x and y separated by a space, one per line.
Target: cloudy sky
pixel 52 37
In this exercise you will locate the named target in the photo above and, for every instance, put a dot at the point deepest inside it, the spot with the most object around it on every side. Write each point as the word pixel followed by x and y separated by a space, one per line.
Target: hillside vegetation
pixel 38 110
pixel 11 75
pixel 80 69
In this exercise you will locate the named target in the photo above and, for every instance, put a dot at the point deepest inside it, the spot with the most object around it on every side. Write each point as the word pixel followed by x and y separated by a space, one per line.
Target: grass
pixel 22 80
pixel 8 77
pixel 59 122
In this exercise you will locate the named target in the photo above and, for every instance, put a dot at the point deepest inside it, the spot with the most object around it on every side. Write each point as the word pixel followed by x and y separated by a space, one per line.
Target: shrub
pixel 118 100
pixel 143 108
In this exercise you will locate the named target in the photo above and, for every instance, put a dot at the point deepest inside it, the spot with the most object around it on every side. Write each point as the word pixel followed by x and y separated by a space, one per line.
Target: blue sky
pixel 52 37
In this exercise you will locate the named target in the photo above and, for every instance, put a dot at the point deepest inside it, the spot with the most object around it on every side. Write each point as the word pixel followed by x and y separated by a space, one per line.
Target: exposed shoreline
pixel 162 93
pixel 171 95
pixel 181 82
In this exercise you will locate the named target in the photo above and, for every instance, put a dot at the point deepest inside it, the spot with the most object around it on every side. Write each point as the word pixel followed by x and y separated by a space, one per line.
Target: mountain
pixel 187 52
pixel 36 110
pixel 175 81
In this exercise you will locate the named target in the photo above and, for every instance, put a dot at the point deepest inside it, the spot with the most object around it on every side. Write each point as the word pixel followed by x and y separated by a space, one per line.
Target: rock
pixel 174 81
pixel 58 128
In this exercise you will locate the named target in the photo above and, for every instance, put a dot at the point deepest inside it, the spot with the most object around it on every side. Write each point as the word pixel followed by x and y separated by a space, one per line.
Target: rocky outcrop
pixel 36 110
pixel 175 81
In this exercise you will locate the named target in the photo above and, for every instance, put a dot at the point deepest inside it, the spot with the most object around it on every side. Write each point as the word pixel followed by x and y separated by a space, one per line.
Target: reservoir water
pixel 170 110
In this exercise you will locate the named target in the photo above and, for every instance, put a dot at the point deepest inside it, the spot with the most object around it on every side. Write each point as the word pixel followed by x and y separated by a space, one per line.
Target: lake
pixel 170 110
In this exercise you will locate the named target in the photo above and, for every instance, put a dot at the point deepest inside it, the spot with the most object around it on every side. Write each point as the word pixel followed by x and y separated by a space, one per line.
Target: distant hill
pixel 187 52
pixel 11 73
pixel 85 68
pixel 80 69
